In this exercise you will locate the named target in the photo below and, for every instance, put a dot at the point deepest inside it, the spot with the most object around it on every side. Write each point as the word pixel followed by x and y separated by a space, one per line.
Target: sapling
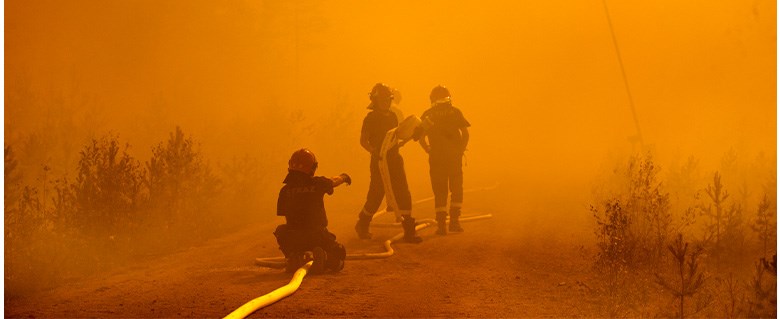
pixel 690 279
pixel 718 195
pixel 764 224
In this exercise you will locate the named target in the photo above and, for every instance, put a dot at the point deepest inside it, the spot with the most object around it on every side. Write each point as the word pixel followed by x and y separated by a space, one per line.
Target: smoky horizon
pixel 564 98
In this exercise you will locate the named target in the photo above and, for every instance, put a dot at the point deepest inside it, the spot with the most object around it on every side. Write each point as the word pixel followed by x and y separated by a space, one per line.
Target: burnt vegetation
pixel 693 249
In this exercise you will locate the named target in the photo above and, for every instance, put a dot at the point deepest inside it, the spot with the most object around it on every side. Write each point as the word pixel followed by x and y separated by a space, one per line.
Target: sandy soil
pixel 513 265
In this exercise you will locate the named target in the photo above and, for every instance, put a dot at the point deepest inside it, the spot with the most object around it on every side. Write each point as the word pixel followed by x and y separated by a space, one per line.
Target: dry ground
pixel 529 260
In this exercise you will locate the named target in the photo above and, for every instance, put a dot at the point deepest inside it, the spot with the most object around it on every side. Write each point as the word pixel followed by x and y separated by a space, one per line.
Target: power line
pixel 625 78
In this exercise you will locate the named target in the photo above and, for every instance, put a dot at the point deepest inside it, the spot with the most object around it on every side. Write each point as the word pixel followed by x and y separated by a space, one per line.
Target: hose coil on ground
pixel 289 289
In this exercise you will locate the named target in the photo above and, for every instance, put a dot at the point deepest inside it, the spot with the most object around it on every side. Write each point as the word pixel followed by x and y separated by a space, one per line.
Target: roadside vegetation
pixel 687 243
pixel 117 207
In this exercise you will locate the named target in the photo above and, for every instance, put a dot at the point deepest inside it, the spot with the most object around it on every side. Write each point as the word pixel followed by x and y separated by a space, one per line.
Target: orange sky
pixel 539 80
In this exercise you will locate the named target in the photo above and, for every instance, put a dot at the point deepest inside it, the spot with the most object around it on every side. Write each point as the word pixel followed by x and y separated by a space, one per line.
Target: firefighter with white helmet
pixel 376 125
pixel 447 132
pixel 305 235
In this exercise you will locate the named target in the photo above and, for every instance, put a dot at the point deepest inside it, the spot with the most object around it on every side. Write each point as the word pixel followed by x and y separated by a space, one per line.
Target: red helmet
pixel 303 160
pixel 440 94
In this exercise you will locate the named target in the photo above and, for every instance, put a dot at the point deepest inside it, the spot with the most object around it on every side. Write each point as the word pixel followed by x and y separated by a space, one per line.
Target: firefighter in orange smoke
pixel 305 235
pixel 375 126
pixel 448 134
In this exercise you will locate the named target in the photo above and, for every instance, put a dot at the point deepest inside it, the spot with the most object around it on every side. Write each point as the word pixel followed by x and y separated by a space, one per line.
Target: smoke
pixel 539 81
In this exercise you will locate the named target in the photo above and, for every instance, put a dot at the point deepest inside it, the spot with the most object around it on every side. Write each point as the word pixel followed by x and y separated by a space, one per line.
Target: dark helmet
pixel 380 92
pixel 303 160
pixel 440 94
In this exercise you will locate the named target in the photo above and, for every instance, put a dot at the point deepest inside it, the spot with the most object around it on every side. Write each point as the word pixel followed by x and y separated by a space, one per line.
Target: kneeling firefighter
pixel 305 235
pixel 388 178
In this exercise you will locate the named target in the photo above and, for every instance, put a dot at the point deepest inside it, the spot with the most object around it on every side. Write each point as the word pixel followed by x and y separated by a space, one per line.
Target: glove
pixel 346 178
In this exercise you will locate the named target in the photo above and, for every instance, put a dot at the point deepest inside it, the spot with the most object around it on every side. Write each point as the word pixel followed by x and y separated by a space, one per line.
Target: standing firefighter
pixel 306 236
pixel 448 136
pixel 375 129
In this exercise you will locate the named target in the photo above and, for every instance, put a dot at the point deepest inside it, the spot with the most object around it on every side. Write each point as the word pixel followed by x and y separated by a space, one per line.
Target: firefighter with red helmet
pixel 305 235
pixel 376 124
pixel 447 136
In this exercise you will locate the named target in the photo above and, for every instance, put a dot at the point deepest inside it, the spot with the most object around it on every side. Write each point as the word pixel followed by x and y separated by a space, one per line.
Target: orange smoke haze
pixel 540 81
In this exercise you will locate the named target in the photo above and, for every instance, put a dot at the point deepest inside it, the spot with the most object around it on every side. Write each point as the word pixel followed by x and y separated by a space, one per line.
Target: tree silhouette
pixel 690 278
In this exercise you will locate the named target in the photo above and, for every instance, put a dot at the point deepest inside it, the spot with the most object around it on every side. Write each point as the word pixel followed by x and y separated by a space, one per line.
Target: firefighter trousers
pixel 447 176
pixel 376 190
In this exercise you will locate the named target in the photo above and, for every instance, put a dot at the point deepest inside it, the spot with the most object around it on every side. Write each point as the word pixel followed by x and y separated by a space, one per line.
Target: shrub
pixel 246 187
pixel 635 222
pixel 181 186
pixel 107 188
pixel 614 239
pixel 650 202
pixel 763 303
pixel 33 241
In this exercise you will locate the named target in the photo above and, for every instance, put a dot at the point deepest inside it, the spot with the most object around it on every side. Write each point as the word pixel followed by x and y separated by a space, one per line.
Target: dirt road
pixel 516 264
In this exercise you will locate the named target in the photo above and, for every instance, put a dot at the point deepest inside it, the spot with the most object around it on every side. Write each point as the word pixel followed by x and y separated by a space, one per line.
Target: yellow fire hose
pixel 392 138
pixel 279 262
pixel 271 297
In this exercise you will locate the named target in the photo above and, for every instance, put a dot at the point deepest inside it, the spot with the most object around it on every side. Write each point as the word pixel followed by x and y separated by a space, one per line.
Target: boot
pixel 454 221
pixel 409 231
pixel 441 223
pixel 294 262
pixel 320 258
pixel 362 227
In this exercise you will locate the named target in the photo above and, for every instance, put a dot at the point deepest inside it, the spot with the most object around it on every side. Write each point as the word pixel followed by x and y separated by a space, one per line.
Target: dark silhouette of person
pixel 447 132
pixel 376 125
pixel 305 235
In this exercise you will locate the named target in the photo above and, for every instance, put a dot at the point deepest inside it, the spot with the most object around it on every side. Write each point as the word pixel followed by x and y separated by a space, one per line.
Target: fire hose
pixel 394 137
pixel 290 288
pixel 422 224
pixel 274 296
pixel 281 262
